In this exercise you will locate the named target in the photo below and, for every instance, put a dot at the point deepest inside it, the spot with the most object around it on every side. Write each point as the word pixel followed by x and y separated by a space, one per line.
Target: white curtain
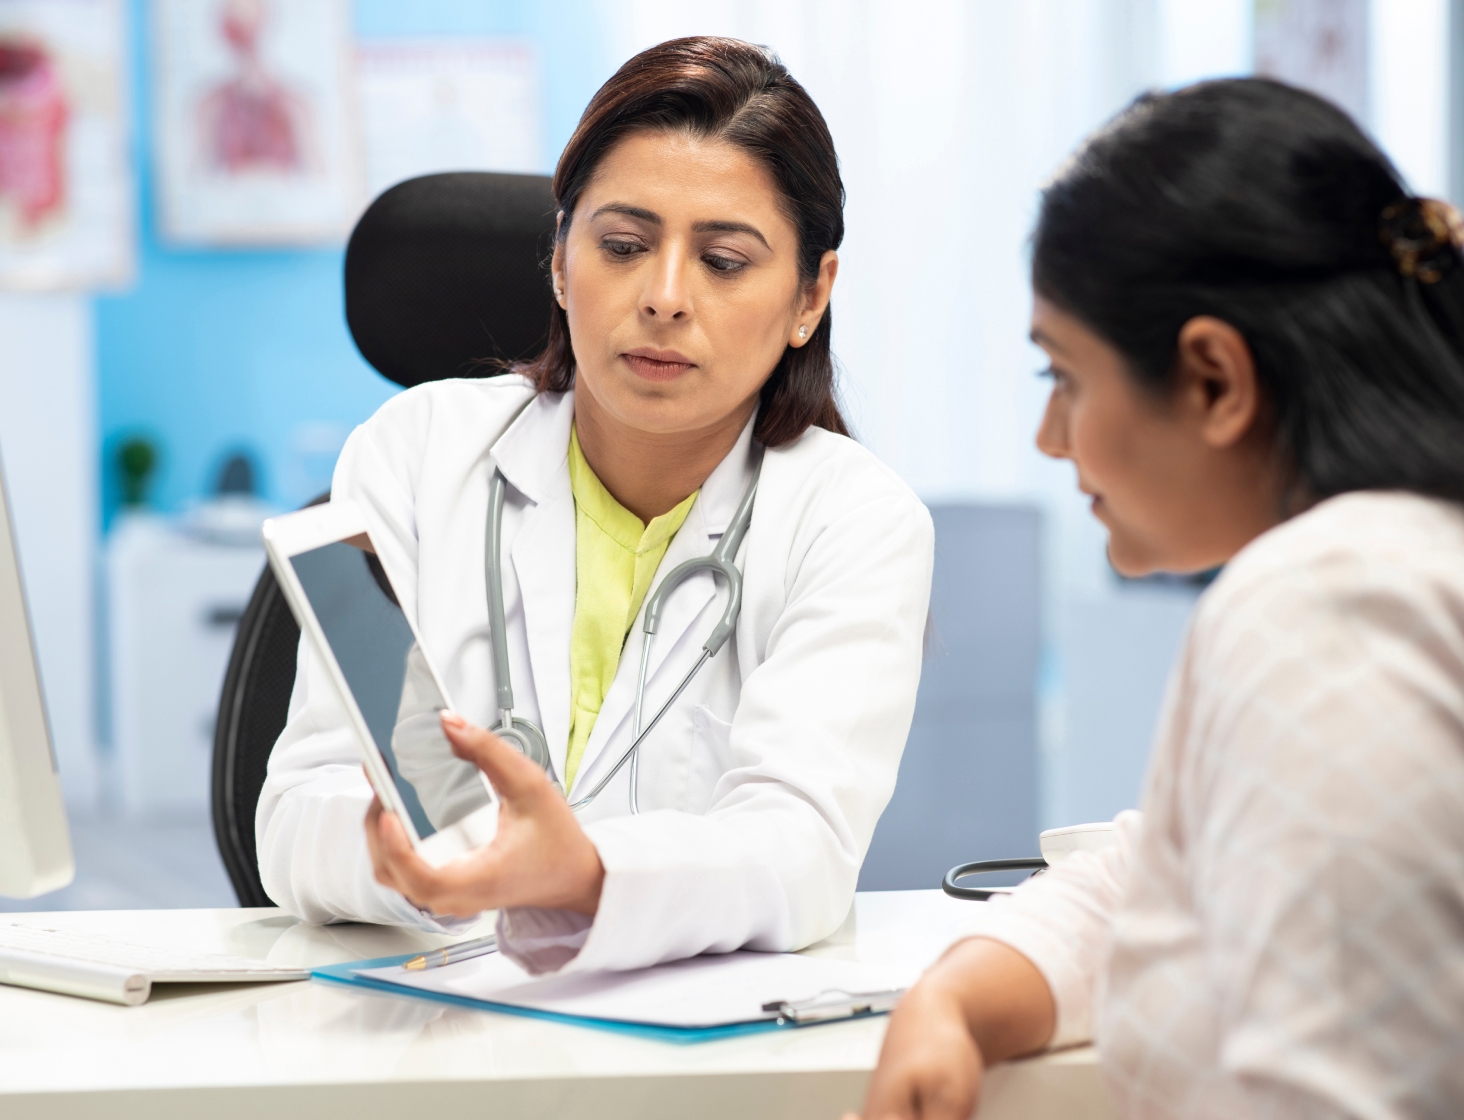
pixel 948 116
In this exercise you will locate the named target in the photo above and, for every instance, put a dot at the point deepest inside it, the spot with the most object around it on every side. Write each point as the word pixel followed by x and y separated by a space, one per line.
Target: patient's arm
pixel 981 1002
pixel 1023 982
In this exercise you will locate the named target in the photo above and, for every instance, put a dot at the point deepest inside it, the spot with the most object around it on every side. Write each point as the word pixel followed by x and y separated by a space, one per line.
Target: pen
pixel 478 947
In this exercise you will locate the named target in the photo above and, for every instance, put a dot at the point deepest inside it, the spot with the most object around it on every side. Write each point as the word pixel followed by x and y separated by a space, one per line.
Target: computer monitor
pixel 35 845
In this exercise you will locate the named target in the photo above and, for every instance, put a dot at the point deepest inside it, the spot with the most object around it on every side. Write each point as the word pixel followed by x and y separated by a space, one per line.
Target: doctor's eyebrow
pixel 730 227
pixel 629 211
pixel 652 218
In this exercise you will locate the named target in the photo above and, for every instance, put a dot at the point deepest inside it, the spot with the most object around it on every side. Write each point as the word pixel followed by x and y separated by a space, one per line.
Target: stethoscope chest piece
pixel 524 737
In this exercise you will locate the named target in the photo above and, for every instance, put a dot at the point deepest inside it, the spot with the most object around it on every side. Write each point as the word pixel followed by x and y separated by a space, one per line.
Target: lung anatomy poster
pixel 255 134
pixel 66 201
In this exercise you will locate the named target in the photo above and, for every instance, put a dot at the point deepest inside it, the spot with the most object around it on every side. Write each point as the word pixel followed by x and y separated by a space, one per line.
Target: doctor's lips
pixel 657 365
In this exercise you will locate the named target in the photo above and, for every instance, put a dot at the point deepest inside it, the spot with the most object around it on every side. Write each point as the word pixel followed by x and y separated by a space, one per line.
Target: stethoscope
pixel 525 735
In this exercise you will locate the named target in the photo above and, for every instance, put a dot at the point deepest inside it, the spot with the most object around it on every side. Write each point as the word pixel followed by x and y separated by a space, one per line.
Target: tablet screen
pixel 391 683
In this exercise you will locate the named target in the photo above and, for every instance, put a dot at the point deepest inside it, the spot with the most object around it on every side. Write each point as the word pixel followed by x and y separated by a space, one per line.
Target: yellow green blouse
pixel 615 557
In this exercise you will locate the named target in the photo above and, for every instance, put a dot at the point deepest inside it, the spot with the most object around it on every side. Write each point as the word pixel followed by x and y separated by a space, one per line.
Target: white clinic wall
pixel 1112 643
pixel 1408 78
pixel 48 442
pixel 1198 39
pixel 948 116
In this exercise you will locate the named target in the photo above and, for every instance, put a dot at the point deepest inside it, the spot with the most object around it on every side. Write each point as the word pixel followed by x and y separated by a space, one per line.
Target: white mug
pixel 1059 843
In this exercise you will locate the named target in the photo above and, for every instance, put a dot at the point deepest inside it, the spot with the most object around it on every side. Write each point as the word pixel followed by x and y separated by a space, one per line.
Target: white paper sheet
pixel 706 991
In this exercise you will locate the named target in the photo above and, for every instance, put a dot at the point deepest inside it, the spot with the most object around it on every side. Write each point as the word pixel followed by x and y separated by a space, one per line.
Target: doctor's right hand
pixel 539 857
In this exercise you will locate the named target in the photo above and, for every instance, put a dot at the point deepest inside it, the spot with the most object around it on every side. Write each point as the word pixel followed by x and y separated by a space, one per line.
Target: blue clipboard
pixel 346 974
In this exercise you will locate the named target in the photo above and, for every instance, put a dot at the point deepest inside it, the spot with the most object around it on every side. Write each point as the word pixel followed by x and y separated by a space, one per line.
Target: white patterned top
pixel 1281 933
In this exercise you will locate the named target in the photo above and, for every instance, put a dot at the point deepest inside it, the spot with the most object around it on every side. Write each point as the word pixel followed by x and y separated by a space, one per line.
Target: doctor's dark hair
pixel 728 90
pixel 1268 208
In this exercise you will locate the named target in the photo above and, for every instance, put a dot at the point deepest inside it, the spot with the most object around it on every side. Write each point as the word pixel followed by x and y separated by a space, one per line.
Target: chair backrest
pixel 441 273
pixel 252 710
pixel 447 270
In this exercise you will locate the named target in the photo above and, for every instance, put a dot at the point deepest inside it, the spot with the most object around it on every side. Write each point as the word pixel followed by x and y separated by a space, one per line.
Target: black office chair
pixel 443 275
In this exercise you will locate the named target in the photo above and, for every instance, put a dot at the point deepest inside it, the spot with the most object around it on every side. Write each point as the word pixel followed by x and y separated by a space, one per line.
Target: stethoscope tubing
pixel 632 752
pixel 523 733
pixel 715 640
pixel 493 552
pixel 720 561
pixel 985 867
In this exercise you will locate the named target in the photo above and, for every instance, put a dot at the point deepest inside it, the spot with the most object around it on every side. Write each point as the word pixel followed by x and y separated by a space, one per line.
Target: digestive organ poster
pixel 255 139
pixel 66 204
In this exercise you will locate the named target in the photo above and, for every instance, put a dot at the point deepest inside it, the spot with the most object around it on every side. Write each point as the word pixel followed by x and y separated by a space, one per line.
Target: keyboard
pixel 156 964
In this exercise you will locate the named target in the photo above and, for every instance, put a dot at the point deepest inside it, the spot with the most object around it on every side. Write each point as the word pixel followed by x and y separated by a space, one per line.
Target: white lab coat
pixel 759 791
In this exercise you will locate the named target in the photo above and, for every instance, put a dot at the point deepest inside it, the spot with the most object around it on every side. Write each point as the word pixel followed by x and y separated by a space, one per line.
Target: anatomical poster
pixel 455 105
pixel 1320 45
pixel 66 203
pixel 255 139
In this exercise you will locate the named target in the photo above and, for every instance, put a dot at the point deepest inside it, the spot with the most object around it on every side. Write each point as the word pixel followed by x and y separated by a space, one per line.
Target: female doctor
pixel 700 207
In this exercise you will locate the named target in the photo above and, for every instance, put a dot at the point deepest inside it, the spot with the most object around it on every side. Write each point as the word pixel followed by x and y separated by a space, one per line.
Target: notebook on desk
pixel 695 1000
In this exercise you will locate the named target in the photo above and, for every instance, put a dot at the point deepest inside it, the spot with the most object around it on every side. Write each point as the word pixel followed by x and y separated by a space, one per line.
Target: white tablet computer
pixel 343 600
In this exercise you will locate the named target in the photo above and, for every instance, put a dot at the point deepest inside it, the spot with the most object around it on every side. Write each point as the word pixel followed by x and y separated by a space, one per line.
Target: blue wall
pixel 213 350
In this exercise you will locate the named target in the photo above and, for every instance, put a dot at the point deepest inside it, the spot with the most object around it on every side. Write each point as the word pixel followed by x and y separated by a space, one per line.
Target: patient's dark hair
pixel 1264 206
pixel 740 93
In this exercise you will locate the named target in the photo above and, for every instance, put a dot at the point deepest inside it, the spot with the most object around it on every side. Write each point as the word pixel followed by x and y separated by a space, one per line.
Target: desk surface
pixel 309 1049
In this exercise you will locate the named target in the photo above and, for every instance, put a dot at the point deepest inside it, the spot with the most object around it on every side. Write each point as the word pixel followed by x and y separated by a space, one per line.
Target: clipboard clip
pixel 834 1004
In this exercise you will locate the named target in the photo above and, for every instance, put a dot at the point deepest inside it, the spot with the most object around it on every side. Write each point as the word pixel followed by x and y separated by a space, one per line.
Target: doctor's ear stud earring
pixel 802 332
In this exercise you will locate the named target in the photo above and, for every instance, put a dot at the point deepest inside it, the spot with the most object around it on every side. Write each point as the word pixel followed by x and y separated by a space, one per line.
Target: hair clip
pixel 1425 236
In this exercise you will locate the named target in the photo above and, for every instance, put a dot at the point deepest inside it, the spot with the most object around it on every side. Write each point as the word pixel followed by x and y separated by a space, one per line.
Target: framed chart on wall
pixel 66 201
pixel 447 105
pixel 1320 45
pixel 255 141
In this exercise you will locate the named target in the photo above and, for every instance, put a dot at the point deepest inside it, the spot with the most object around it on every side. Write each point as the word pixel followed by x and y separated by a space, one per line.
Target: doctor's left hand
pixel 540 856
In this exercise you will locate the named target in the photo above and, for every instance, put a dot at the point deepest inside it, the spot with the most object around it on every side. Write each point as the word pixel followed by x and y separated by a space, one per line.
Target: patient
pixel 1257 348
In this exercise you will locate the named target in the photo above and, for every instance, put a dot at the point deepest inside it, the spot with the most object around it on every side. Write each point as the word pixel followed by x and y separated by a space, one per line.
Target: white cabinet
pixel 173 604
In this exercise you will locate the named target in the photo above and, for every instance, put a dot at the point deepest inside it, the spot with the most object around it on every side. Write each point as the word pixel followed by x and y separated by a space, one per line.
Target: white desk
pixel 314 1050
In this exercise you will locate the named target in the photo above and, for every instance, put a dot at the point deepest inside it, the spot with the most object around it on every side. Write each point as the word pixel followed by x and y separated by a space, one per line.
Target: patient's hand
pixel 929 1066
pixel 540 856
pixel 981 1002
